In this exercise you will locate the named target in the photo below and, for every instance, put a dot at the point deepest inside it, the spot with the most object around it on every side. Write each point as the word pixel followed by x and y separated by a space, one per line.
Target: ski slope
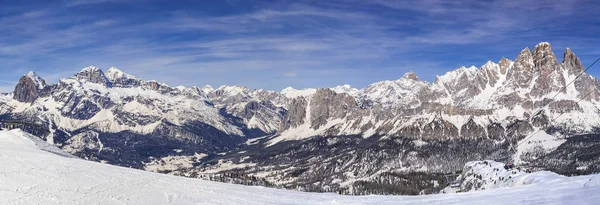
pixel 31 172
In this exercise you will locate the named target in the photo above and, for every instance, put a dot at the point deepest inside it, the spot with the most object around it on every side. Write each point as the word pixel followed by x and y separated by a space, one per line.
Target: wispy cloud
pixel 290 74
pixel 257 44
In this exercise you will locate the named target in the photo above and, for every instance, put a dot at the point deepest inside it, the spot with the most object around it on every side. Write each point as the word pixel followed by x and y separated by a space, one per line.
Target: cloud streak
pixel 256 44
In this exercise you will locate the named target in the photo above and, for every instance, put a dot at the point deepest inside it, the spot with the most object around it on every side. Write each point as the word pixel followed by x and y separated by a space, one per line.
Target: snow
pixel 207 89
pixel 346 89
pixel 540 139
pixel 39 82
pixel 542 44
pixel 594 181
pixel 90 69
pixel 401 91
pixel 233 90
pixel 177 109
pixel 30 175
pixel 304 131
pixel 290 92
pixel 114 73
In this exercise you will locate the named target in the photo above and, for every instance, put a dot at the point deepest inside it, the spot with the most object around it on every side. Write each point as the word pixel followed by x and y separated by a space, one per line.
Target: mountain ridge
pixel 124 120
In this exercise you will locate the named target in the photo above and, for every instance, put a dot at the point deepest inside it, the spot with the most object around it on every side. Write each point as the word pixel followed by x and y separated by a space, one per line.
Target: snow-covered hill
pixel 487 175
pixel 31 175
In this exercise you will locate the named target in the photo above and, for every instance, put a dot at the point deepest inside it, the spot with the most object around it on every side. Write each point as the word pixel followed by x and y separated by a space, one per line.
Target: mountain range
pixel 532 110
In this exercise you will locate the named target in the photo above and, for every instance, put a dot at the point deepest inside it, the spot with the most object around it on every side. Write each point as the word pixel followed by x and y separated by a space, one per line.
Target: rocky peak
pixel 119 78
pixel 543 57
pixel 157 86
pixel 207 89
pixel 346 89
pixel 525 59
pixel 504 64
pixel 410 76
pixel 39 82
pixel 571 62
pixel 326 104
pixel 522 72
pixel 232 90
pixel 93 75
pixel 490 73
pixel 114 73
pixel 550 79
pixel 29 88
pixel 290 92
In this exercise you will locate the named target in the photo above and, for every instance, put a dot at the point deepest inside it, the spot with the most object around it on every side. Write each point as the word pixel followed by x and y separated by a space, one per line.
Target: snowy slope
pixel 491 175
pixel 30 175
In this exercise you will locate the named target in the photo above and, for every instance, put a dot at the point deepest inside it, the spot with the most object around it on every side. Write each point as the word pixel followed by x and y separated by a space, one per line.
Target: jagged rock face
pixel 572 63
pixel 519 129
pixel 26 90
pixel 258 109
pixel 543 57
pixel 588 87
pixel 120 79
pixel 504 64
pixel 296 113
pixel 29 88
pixel 326 104
pixel 490 72
pixel 522 71
pixel 472 130
pixel 439 129
pixel 495 131
pixel 94 75
pixel 399 92
pixel 549 74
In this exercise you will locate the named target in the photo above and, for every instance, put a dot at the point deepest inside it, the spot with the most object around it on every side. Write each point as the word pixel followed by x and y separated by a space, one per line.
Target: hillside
pixel 31 175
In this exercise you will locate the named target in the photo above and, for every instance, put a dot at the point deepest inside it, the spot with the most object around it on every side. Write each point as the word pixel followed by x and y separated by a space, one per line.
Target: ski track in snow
pixel 30 175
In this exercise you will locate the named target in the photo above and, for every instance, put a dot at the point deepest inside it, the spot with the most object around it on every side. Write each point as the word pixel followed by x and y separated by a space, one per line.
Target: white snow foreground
pixel 491 175
pixel 33 173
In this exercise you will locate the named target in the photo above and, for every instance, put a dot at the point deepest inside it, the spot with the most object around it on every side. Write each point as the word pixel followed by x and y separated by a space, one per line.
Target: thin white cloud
pixel 269 40
pixel 290 74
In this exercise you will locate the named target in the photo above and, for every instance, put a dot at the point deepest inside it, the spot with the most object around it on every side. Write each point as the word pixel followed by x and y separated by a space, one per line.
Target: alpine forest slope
pixel 391 137
pixel 35 172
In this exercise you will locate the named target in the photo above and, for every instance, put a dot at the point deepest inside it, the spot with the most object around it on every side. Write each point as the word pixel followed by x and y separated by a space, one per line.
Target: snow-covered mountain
pixel 345 139
pixel 500 93
pixel 124 120
pixel 37 173
pixel 329 139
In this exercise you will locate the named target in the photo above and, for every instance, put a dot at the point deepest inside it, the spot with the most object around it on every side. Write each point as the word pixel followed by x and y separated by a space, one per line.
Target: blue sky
pixel 276 44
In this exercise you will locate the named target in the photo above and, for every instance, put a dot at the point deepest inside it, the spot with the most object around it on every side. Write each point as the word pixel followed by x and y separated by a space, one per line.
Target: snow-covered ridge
pixel 34 176
pixel 290 92
pixel 114 73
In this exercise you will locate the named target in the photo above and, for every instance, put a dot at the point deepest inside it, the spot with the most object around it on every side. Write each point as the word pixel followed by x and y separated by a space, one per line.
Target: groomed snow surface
pixel 31 175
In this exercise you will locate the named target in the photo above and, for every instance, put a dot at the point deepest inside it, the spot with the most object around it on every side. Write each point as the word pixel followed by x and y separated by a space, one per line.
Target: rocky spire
pixel 93 75
pixel 29 87
pixel 410 76
pixel 571 62
pixel 549 72
pixel 489 73
pixel 524 59
pixel 543 57
pixel 504 64
pixel 522 72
